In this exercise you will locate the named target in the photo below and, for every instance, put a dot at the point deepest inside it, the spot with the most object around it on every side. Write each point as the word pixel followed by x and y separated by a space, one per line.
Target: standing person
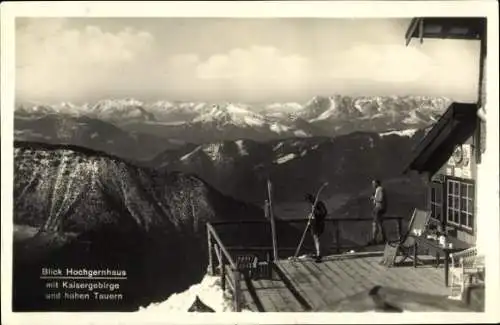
pixel 379 208
pixel 318 223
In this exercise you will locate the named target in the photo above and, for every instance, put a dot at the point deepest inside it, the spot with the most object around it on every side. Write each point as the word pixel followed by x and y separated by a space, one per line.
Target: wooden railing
pixel 216 246
pixel 217 249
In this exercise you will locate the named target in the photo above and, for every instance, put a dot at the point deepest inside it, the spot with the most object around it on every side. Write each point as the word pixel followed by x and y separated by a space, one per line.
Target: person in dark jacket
pixel 317 223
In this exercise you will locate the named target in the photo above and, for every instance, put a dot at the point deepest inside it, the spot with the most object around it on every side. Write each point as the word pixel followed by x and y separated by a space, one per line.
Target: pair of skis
pixel 309 220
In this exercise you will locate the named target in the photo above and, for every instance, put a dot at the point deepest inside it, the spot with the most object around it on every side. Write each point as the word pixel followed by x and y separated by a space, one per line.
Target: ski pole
pixel 310 218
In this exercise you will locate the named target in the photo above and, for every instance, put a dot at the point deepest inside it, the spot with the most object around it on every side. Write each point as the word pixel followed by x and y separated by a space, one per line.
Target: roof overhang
pixel 454 127
pixel 465 28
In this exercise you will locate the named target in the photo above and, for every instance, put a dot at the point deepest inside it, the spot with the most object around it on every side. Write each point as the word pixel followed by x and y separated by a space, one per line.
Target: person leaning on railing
pixel 379 201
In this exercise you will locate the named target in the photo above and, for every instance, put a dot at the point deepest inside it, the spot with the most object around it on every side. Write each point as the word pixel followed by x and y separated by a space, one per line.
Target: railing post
pixel 269 206
pixel 218 254
pixel 269 270
pixel 223 273
pixel 336 224
pixel 211 265
pixel 237 290
pixel 400 235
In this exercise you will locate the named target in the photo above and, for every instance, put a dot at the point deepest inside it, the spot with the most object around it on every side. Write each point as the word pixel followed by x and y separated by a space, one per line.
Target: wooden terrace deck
pixel 340 283
pixel 304 285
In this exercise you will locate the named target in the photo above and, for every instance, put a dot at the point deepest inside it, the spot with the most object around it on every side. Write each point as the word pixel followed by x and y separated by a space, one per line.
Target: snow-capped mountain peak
pixel 230 114
pixel 116 104
pixel 122 110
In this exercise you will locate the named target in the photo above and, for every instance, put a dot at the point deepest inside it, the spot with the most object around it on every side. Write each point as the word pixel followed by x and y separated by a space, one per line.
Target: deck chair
pixel 247 264
pixel 404 245
pixel 466 269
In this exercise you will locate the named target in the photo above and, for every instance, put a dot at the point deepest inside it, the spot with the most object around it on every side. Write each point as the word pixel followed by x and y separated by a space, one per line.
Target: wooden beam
pixel 237 290
pixel 336 225
pixel 475 28
pixel 295 220
pixel 221 245
pixel 223 274
pixel 411 30
pixel 211 266
pixel 421 30
pixel 271 217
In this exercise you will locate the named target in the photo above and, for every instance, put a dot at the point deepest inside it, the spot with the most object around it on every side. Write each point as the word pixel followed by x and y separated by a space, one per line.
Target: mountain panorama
pixel 127 185
pixel 133 129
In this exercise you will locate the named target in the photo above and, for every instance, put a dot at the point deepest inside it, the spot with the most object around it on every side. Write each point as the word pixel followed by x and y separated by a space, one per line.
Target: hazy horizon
pixel 235 59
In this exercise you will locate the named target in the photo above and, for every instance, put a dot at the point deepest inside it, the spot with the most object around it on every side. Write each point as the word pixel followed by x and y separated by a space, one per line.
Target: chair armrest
pixel 465 253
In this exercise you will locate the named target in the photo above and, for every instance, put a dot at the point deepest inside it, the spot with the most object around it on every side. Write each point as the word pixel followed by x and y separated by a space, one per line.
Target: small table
pixel 436 249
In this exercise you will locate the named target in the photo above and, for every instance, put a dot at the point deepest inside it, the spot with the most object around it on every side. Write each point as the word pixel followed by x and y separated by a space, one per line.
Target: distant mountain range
pixel 93 134
pixel 200 122
pixel 296 166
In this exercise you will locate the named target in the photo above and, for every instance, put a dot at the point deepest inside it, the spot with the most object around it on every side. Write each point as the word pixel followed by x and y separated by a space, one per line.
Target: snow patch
pixel 328 113
pixel 230 114
pixel 252 121
pixel 94 135
pixel 213 151
pixel 241 148
pixel 187 156
pixel 169 123
pixel 284 107
pixel 208 290
pixel 285 158
pixel 300 133
pixel 401 133
pixel 278 128
pixel 279 145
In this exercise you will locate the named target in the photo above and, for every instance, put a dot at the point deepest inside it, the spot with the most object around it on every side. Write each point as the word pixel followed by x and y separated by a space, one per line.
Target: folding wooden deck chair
pixel 254 268
pixel 405 244
pixel 247 264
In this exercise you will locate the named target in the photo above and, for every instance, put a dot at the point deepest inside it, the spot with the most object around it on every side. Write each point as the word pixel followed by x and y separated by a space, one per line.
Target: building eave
pixel 454 127
pixel 467 28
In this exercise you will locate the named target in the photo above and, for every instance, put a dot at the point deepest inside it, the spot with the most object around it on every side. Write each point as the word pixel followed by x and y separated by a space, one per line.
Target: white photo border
pixel 352 9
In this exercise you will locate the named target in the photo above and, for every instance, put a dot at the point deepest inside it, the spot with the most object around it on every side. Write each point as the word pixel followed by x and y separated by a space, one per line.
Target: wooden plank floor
pixel 325 284
pixel 269 296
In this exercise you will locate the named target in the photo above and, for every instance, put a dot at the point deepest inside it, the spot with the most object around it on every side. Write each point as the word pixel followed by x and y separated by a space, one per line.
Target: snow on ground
pixel 403 133
pixel 285 158
pixel 209 292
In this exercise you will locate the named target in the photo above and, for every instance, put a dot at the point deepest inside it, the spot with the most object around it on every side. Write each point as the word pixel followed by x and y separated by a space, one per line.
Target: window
pixel 460 203
pixel 436 200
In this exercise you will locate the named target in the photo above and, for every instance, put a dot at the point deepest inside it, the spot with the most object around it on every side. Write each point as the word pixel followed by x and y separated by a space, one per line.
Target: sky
pixel 235 59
